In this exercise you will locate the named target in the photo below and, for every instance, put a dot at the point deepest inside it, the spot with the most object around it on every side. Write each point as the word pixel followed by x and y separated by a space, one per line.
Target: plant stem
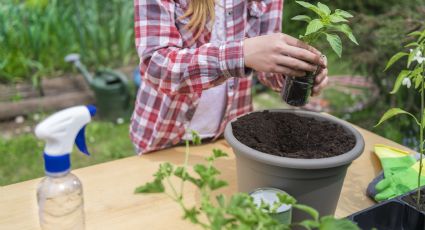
pixel 177 196
pixel 421 140
pixel 186 160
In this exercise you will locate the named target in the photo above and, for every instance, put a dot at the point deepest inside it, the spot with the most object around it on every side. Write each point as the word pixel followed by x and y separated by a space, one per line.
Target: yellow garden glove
pixel 399 183
pixel 401 172
pixel 393 159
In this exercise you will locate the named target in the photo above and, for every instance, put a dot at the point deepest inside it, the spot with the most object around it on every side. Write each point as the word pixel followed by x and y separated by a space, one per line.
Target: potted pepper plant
pixel 303 153
pixel 327 26
pixel 407 210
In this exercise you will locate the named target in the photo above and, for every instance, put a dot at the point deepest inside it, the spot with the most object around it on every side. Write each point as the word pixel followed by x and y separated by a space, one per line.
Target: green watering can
pixel 111 89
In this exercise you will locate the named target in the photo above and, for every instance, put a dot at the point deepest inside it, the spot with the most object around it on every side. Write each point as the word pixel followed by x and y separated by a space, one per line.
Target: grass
pixel 36 35
pixel 21 156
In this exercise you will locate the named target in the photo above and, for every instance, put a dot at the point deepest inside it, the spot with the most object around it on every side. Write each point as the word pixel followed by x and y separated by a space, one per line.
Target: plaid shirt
pixel 175 71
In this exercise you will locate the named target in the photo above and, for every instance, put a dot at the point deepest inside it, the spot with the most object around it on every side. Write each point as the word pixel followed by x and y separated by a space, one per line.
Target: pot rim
pixel 321 163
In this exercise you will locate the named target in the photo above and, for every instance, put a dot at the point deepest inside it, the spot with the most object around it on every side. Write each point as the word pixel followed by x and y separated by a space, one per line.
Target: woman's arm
pixel 169 67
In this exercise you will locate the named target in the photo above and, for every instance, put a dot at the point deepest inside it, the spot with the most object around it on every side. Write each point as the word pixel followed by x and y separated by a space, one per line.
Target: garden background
pixel 36 35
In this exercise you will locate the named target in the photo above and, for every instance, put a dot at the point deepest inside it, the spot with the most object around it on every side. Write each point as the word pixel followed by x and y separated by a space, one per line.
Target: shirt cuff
pixel 231 59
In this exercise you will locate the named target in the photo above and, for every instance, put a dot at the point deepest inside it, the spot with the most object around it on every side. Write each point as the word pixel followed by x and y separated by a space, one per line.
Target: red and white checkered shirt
pixel 175 71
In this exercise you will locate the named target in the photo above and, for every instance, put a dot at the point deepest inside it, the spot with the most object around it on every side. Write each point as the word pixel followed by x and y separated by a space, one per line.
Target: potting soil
pixel 290 135
pixel 413 197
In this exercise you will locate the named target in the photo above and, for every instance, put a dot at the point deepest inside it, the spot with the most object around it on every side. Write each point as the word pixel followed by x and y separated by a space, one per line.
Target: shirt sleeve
pixel 171 68
pixel 271 22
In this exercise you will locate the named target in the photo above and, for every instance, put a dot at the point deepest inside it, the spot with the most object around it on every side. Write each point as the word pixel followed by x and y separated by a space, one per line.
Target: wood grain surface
pixel 111 204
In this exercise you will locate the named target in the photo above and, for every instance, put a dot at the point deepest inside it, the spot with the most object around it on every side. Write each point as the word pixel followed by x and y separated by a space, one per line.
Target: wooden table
pixel 111 204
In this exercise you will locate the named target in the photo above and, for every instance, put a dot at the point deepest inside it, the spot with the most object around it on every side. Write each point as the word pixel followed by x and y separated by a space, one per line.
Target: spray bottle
pixel 60 193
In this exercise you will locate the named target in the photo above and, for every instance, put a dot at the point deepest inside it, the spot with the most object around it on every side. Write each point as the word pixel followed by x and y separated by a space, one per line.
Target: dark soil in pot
pixel 413 197
pixel 290 135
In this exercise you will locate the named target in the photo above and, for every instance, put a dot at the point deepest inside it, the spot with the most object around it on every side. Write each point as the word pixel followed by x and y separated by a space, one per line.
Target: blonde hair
pixel 199 10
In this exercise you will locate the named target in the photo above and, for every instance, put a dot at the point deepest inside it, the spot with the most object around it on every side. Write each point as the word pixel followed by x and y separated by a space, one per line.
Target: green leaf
pixel 395 58
pixel 418 81
pixel 411 56
pixel 412 44
pixel 196 139
pixel 324 8
pixel 335 42
pixel 415 33
pixel 216 184
pixel 192 215
pixel 181 173
pixel 393 112
pixel 221 200
pixel 312 7
pixel 314 26
pixel 344 28
pixel 219 153
pixel 202 171
pixel 286 199
pixel 165 170
pixel 301 18
pixel 310 224
pixel 336 18
pixel 151 187
pixel 330 223
pixel 343 13
pixel 399 80
pixel 309 210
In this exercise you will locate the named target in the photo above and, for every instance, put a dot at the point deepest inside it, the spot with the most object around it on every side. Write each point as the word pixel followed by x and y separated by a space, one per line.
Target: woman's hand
pixel 321 79
pixel 282 54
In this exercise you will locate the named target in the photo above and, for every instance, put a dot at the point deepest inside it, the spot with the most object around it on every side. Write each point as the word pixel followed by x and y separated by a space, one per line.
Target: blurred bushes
pixel 35 35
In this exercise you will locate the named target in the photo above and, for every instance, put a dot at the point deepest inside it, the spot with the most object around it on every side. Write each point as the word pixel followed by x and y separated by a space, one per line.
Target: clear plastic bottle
pixel 60 201
pixel 60 193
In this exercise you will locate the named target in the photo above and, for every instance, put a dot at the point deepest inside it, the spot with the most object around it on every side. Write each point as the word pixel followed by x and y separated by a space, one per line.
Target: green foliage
pixel 237 212
pixel 394 112
pixel 415 72
pixel 36 35
pixel 326 25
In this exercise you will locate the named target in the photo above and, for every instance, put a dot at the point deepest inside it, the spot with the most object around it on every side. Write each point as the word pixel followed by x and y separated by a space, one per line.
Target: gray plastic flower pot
pixel 314 182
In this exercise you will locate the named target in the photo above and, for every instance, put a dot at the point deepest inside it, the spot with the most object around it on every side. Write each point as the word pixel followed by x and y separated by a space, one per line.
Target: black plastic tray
pixel 394 214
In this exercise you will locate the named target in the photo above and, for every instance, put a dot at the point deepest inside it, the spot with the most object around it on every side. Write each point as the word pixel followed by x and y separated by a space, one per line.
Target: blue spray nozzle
pixel 80 141
pixel 92 109
pixel 60 131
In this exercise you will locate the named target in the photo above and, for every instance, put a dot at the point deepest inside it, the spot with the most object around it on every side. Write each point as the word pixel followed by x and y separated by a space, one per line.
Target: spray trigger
pixel 80 141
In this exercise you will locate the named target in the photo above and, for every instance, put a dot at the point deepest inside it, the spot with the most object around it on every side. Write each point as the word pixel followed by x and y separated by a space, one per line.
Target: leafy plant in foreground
pixel 237 212
pixel 413 74
pixel 327 25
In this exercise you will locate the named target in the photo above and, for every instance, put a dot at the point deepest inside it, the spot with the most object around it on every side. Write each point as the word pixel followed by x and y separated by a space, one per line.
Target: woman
pixel 196 62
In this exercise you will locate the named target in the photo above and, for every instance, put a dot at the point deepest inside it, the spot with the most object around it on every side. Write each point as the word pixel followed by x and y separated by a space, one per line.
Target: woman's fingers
pixel 299 44
pixel 294 63
pixel 287 71
pixel 303 54
pixel 322 74
pixel 318 88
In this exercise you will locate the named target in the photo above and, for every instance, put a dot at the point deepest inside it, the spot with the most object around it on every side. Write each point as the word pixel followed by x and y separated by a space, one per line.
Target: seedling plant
pixel 412 75
pixel 327 25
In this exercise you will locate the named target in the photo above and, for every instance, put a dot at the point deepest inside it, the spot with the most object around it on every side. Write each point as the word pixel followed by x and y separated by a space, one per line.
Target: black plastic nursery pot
pixel 394 214
pixel 297 90
pixel 314 182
